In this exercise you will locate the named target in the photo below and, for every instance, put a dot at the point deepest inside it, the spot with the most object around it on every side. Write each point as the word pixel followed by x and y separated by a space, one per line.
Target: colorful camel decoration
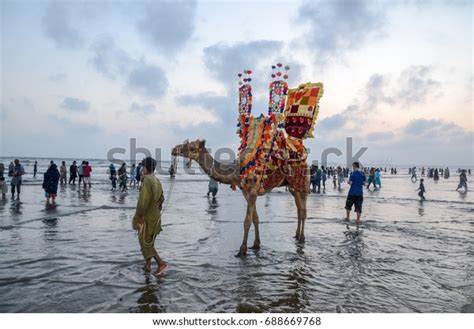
pixel 271 153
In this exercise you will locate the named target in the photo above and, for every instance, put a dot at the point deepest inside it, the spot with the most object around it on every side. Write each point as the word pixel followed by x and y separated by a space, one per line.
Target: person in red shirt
pixel 87 174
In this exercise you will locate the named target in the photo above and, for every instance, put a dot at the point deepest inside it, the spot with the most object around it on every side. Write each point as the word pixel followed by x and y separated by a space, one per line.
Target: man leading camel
pixel 147 219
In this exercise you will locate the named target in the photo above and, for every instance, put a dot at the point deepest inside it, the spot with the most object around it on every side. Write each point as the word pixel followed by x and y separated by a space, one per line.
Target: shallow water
pixel 82 255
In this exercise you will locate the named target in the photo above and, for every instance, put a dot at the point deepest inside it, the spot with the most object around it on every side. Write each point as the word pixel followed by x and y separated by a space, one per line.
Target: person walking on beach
pixel 63 173
pixel 35 169
pixel 138 174
pixel 172 171
pixel 80 172
pixel 436 175
pixel 147 219
pixel 73 173
pixel 133 176
pixel 340 177
pixel 11 169
pixel 86 172
pixel 323 177
pixel 18 172
pixel 462 180
pixel 446 173
pixel 122 176
pixel 355 196
pixel 413 175
pixel 317 180
pixel 3 187
pixel 213 187
pixel 50 183
pixel 422 190
pixel 378 178
pixel 113 176
pixel 2 169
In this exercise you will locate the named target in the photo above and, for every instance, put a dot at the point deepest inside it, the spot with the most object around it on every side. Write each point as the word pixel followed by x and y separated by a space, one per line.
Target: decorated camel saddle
pixel 271 151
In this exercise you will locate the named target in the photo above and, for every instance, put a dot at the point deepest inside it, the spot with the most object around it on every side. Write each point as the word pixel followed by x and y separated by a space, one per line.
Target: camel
pixel 271 152
pixel 230 174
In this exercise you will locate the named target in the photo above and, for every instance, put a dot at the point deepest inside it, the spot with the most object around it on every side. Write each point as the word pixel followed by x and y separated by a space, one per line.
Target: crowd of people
pixel 147 219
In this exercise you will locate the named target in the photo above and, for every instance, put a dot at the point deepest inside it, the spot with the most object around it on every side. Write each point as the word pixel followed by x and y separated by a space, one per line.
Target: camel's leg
pixel 251 198
pixel 303 197
pixel 297 202
pixel 256 243
pixel 300 200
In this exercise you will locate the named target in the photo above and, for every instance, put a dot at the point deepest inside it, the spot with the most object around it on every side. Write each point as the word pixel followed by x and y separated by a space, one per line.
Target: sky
pixel 81 78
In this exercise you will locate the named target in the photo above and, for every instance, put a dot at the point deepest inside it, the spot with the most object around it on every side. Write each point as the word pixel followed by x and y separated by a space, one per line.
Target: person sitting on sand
pixel 50 183
pixel 462 180
pixel 147 219
pixel 422 190
pixel 355 196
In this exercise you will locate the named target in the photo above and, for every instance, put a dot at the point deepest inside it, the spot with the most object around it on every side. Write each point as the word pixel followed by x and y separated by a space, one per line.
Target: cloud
pixel 142 109
pixel 415 84
pixel 224 61
pixel 75 104
pixel 433 128
pixel 139 76
pixel 375 91
pixel 168 25
pixel 338 26
pixel 148 80
pixel 58 77
pixel 108 59
pixel 57 26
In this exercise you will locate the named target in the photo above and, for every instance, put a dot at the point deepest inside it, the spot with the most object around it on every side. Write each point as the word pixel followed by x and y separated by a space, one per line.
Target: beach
pixel 83 256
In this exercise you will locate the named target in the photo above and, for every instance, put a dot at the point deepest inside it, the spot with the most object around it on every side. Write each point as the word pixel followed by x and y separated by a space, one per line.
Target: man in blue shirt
pixel 355 196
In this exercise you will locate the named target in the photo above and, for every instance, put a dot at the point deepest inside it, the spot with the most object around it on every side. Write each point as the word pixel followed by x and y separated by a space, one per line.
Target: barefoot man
pixel 355 196
pixel 147 219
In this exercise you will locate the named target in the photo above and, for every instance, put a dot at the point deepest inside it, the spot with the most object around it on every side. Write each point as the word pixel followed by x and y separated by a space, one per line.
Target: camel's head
pixel 190 150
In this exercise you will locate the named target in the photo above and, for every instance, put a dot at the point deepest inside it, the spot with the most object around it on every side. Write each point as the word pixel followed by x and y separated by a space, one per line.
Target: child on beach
pixel 422 190
pixel 3 187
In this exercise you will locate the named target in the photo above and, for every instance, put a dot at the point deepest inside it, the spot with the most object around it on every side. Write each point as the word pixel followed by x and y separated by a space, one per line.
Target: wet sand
pixel 83 256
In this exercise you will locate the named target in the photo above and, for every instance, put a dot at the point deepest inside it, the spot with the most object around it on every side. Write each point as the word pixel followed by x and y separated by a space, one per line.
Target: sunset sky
pixel 79 78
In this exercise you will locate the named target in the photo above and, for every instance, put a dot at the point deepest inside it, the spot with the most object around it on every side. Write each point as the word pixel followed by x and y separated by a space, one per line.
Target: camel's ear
pixel 202 144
